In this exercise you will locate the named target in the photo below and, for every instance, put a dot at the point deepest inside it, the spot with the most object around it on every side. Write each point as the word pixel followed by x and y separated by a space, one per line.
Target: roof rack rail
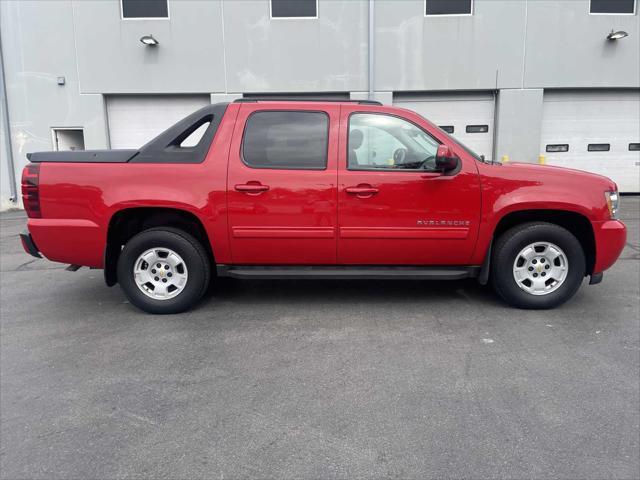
pixel 275 99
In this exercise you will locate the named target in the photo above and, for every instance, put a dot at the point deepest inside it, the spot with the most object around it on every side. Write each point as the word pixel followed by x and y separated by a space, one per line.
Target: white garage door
pixel 467 117
pixel 136 119
pixel 594 131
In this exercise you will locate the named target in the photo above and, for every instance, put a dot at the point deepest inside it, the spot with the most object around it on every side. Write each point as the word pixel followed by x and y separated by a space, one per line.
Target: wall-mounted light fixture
pixel 149 40
pixel 617 35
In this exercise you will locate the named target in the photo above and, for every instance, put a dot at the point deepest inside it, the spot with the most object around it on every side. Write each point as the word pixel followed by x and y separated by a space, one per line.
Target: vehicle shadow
pixel 316 292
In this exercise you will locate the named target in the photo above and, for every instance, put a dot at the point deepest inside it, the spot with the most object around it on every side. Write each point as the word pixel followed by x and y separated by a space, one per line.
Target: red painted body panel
pixel 307 217
pixel 611 236
pixel 94 192
pixel 294 222
pixel 384 228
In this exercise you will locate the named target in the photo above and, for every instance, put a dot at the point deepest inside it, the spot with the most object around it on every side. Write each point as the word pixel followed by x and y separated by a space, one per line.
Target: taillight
pixel 31 190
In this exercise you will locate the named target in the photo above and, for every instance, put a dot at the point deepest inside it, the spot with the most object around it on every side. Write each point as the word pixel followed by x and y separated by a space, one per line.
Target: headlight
pixel 613 202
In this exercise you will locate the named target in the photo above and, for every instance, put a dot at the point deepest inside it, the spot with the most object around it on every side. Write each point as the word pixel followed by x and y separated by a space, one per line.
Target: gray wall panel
pixel 566 47
pixel 519 114
pixel 111 58
pixel 286 55
pixel 415 52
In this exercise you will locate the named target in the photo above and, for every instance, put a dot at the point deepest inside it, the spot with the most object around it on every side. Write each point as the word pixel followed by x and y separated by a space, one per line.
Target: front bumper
pixel 610 236
pixel 29 245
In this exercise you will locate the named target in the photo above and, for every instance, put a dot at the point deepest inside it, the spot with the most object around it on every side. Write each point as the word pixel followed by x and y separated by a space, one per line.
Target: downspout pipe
pixel 7 130
pixel 371 48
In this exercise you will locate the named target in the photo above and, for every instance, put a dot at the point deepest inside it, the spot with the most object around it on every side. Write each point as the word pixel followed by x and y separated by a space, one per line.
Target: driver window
pixel 378 141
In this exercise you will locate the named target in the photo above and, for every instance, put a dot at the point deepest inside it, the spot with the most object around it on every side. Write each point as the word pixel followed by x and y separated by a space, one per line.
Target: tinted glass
pixel 477 128
pixel 612 6
pixel 144 9
pixel 293 8
pixel 634 147
pixel 387 142
pixel 447 128
pixel 561 147
pixel 286 140
pixel 448 7
pixel 598 147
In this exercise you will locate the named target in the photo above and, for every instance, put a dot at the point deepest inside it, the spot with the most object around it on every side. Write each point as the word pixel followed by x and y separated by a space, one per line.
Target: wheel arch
pixel 576 223
pixel 127 222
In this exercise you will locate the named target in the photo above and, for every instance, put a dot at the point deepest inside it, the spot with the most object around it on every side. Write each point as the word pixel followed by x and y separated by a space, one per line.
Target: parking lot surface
pixel 316 379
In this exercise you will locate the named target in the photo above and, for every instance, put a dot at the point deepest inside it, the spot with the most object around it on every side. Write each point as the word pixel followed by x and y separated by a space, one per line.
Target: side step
pixel 348 272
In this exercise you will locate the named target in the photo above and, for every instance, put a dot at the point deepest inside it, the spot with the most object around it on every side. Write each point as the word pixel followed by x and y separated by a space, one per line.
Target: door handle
pixel 251 188
pixel 362 190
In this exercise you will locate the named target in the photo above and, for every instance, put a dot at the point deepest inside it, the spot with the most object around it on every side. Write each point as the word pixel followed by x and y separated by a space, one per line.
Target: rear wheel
pixel 537 265
pixel 163 270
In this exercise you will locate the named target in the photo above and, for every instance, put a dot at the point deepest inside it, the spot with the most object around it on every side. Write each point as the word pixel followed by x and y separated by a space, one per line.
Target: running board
pixel 348 272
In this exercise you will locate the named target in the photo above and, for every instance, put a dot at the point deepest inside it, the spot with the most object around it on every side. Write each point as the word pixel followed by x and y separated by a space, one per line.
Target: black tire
pixel 193 254
pixel 513 241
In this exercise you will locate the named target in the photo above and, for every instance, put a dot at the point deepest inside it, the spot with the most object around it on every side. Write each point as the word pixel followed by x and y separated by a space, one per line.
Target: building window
pixel 477 128
pixel 67 139
pixel 294 8
pixel 287 140
pixel 634 147
pixel 447 128
pixel 598 147
pixel 559 147
pixel 144 9
pixel 613 7
pixel 448 7
pixel 620 7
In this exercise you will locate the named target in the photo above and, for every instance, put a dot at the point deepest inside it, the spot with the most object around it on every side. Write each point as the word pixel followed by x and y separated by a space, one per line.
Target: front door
pixel 281 184
pixel 394 208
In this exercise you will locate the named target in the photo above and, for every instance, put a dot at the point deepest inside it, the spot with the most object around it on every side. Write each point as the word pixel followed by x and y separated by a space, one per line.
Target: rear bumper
pixel 610 236
pixel 73 241
pixel 29 245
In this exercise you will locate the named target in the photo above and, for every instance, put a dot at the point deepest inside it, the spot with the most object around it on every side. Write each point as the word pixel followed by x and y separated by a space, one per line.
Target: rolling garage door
pixel 467 117
pixel 594 131
pixel 136 119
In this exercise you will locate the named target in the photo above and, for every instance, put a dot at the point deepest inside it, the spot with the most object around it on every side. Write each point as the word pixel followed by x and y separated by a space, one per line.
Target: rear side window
pixel 287 140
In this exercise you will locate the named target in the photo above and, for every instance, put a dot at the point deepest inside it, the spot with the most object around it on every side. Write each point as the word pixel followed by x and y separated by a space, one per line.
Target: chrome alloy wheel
pixel 160 273
pixel 540 268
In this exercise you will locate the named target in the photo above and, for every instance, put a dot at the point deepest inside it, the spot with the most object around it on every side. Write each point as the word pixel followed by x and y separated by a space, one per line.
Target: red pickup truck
pixel 305 189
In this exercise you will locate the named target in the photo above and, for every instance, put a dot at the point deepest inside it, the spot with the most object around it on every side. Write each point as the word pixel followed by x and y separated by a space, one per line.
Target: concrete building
pixel 516 78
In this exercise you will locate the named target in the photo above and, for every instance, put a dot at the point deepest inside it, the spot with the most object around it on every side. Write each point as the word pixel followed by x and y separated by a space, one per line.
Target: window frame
pixel 546 147
pixel 590 149
pixel 122 17
pixel 244 133
pixel 271 17
pixel 635 10
pixel 436 15
pixel 399 170
pixel 477 125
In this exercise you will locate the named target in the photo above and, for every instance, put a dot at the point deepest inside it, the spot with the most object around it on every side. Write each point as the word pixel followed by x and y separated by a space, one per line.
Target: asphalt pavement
pixel 316 379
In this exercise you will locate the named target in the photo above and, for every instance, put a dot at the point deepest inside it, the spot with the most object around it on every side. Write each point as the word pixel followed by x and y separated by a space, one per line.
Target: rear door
pixel 281 184
pixel 393 209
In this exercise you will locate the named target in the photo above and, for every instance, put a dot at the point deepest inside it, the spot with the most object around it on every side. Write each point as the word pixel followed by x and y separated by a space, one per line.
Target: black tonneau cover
pixel 165 148
pixel 83 156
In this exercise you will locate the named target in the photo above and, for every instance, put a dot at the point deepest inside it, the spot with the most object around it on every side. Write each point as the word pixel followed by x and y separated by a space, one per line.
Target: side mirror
pixel 446 160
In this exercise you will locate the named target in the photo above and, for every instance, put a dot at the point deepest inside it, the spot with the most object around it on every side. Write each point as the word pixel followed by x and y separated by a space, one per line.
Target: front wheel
pixel 537 265
pixel 163 270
